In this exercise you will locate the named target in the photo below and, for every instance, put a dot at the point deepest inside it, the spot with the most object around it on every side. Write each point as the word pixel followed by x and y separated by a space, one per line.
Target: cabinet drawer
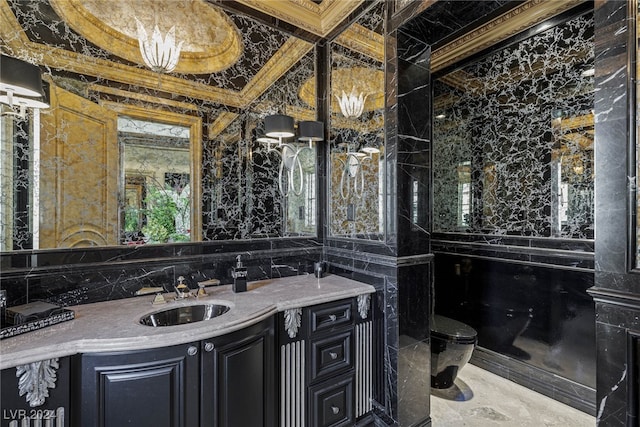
pixel 331 354
pixel 331 403
pixel 326 317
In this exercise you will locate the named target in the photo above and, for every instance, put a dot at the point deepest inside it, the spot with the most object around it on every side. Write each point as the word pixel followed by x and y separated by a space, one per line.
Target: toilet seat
pixel 452 330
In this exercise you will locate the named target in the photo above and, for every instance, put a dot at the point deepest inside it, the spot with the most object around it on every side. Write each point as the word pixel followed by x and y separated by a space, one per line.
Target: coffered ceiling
pixel 233 50
pixel 230 56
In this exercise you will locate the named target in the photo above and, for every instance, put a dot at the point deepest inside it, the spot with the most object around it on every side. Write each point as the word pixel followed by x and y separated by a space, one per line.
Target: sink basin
pixel 184 314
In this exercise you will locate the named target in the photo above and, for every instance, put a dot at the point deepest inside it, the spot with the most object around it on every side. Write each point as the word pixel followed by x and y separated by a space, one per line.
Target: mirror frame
pixel 634 135
pixel 195 148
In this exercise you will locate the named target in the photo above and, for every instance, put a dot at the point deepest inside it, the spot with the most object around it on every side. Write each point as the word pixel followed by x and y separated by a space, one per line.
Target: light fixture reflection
pixel 352 105
pixel 277 127
pixel 21 86
pixel 161 55
pixel 352 172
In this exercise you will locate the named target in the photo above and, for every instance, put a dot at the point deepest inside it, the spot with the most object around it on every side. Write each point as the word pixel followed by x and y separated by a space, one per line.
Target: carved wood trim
pixel 35 379
pixel 292 318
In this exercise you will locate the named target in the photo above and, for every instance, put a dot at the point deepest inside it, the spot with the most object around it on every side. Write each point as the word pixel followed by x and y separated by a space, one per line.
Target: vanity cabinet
pixel 223 381
pixel 154 387
pixel 45 389
pixel 238 378
pixel 326 364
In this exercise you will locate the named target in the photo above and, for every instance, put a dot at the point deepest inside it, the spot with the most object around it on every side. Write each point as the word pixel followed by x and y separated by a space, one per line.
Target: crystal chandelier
pixel 352 105
pixel 161 55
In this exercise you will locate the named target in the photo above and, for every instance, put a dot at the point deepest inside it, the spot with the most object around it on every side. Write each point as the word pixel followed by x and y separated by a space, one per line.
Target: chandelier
pixel 352 105
pixel 161 55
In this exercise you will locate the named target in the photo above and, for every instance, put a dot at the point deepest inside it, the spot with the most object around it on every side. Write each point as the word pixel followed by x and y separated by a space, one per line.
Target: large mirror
pixel 513 138
pixel 637 127
pixel 357 129
pixel 128 155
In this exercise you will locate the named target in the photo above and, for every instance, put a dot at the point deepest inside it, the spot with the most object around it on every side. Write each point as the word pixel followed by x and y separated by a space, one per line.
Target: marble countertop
pixel 114 325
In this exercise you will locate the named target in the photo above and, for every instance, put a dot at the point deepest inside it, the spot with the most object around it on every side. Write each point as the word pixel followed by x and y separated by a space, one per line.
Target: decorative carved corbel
pixel 292 321
pixel 35 379
pixel 363 305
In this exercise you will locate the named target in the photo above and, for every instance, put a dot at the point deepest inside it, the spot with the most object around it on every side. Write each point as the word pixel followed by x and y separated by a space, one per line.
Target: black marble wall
pixel 526 296
pixel 399 265
pixel 535 321
pixel 617 284
pixel 104 274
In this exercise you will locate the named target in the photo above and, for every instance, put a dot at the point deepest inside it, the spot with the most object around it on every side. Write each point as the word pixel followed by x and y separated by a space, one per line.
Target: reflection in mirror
pixel 637 131
pixel 637 127
pixel 157 187
pixel 513 138
pixel 357 126
pixel 78 178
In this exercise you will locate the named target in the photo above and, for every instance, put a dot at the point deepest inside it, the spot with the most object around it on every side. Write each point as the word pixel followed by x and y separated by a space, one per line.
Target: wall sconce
pixel 161 55
pixel 21 86
pixel 279 126
pixel 352 170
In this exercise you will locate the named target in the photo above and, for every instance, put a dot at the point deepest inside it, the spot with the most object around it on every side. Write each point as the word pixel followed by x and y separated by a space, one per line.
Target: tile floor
pixel 480 398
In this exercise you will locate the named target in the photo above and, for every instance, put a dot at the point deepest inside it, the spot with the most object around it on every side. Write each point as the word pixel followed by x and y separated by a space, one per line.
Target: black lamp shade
pixel 311 131
pixel 278 126
pixel 20 77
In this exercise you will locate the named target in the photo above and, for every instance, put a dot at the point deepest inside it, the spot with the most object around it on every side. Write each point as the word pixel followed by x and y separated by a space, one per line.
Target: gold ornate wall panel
pixel 79 174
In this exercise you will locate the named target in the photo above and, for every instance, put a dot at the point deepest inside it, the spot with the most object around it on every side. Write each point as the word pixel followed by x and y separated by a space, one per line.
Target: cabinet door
pixel 237 378
pixel 155 388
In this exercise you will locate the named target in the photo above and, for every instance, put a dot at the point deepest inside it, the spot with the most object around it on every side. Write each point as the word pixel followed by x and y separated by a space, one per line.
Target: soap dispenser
pixel 239 274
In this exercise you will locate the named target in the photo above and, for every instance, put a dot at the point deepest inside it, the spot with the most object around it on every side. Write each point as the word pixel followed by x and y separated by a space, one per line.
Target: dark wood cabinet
pixel 46 397
pixel 237 378
pixel 157 387
pixel 320 376
pixel 325 361
pixel 220 382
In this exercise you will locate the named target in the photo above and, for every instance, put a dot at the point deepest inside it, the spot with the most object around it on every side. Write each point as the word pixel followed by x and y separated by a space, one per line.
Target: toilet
pixel 452 344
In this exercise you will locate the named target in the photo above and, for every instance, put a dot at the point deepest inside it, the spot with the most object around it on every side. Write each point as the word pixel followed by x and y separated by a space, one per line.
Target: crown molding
pixel 317 19
pixel 15 42
pixel 516 20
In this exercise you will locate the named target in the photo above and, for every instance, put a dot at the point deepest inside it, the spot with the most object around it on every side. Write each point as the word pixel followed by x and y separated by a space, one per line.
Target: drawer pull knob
pixel 192 350
pixel 333 355
pixel 335 410
pixel 208 347
pixel 332 317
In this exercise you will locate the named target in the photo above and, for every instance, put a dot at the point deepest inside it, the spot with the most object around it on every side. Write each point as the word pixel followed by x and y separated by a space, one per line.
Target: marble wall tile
pixel 539 315
pixel 616 287
pixel 613 379
pixel 498 139
pixel 413 147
